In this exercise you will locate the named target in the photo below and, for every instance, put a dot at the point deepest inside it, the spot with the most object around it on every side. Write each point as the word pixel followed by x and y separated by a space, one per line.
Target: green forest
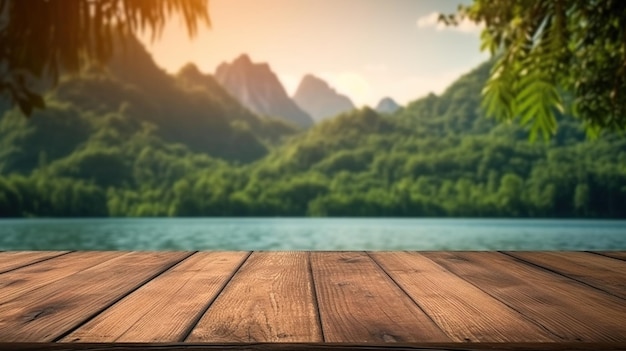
pixel 131 140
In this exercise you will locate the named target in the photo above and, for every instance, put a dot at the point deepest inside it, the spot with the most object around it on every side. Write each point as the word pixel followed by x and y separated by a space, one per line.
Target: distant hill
pixel 132 143
pixel 268 129
pixel 318 99
pixel 440 156
pixel 258 88
pixel 387 105
pixel 134 99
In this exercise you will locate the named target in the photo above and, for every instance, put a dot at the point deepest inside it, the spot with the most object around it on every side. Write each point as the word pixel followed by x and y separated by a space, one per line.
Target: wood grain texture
pixel 570 310
pixel 604 273
pixel 270 299
pixel 358 302
pixel 274 297
pixel 579 346
pixel 26 279
pixel 11 260
pixel 620 255
pixel 164 309
pixel 463 311
pixel 50 311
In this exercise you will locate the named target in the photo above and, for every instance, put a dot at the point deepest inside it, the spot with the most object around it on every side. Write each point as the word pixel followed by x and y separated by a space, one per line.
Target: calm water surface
pixel 310 234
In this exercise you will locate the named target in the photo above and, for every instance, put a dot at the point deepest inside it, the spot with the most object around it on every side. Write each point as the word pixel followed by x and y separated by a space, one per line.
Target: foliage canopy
pixel 123 154
pixel 553 56
pixel 40 39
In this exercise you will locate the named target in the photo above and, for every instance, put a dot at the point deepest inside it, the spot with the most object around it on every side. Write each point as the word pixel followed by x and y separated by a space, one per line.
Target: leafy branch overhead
pixel 551 56
pixel 40 39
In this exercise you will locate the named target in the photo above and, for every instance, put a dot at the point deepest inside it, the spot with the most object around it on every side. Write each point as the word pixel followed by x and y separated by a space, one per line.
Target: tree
pixel 552 56
pixel 40 39
pixel 581 198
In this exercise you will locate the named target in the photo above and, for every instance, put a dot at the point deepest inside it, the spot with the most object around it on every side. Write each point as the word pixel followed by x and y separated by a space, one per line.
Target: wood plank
pixel 569 309
pixel 463 311
pixel 604 273
pixel 10 260
pixel 270 299
pixel 26 279
pixel 167 307
pixel 578 346
pixel 620 255
pixel 358 302
pixel 50 311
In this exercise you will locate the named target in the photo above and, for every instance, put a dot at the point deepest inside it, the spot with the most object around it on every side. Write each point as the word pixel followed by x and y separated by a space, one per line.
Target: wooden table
pixel 313 300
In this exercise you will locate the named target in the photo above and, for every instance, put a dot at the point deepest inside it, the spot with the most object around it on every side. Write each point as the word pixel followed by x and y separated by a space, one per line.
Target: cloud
pixel 432 21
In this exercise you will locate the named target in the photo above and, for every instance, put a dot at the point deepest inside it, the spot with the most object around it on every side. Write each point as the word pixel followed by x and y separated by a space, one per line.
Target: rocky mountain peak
pixel 319 99
pixel 258 88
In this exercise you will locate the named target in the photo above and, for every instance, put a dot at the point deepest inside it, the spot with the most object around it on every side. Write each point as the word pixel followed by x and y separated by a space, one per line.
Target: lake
pixel 311 234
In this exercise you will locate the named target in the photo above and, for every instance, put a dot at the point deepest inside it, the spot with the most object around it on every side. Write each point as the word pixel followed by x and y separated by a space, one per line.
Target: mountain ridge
pixel 257 87
pixel 134 98
pixel 108 147
pixel 319 99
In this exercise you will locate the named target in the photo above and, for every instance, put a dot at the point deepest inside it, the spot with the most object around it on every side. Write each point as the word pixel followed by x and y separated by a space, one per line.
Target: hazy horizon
pixel 366 50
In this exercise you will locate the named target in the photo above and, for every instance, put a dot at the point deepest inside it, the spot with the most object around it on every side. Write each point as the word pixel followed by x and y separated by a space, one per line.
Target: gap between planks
pixel 358 287
pixel 20 259
pixel 602 273
pixel 183 293
pixel 566 308
pixel 463 311
pixel 269 299
pixel 50 311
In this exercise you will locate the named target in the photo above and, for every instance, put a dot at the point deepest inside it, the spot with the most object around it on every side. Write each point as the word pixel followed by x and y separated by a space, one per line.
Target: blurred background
pixel 249 121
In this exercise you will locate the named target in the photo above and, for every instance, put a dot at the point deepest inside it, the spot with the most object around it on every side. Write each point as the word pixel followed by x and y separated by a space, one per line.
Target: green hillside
pixel 119 144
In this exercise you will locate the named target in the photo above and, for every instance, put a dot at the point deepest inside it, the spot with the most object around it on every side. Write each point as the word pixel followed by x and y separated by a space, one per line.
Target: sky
pixel 365 49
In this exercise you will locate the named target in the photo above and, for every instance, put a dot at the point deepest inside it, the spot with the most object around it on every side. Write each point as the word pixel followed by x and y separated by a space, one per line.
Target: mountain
pixel 258 88
pixel 387 105
pixel 319 100
pixel 268 129
pixel 108 147
pixel 127 106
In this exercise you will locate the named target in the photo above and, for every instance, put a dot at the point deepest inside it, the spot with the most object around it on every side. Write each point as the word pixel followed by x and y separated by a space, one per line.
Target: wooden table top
pixel 292 300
